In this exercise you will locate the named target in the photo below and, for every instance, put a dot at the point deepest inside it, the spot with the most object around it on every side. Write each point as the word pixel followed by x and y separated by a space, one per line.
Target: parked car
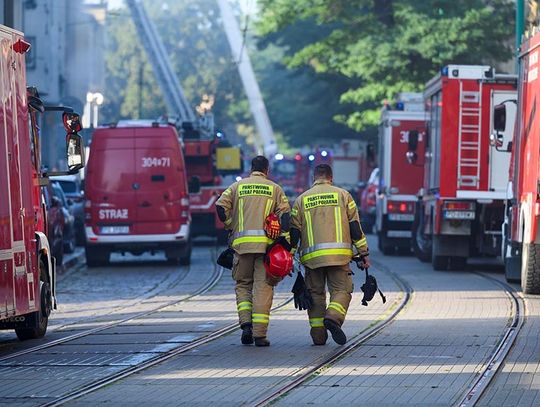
pixel 69 219
pixel 55 223
pixel 368 202
pixel 72 187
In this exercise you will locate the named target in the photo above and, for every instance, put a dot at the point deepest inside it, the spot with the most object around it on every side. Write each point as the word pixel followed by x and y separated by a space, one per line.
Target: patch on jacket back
pixel 328 199
pixel 255 189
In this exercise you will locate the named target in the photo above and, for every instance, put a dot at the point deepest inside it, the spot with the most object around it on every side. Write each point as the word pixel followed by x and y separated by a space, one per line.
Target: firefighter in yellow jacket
pixel 325 220
pixel 243 208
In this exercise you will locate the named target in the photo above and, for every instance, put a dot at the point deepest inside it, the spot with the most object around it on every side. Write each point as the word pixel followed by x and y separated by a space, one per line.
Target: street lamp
pixel 91 109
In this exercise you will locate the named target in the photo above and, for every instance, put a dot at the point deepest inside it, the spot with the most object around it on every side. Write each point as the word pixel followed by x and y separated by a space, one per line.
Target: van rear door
pixel 160 174
pixel 112 182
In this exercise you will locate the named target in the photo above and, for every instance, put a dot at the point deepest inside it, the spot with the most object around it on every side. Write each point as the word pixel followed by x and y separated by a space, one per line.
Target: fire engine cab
pixel 400 175
pixel 27 268
pixel 461 205
pixel 521 249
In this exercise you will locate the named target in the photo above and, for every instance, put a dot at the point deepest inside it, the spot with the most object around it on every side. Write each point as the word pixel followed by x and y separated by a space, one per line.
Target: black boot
pixel 262 341
pixel 247 334
pixel 338 335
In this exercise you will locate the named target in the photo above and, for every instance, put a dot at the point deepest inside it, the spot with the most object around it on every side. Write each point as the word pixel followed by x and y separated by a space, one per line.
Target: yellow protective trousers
pixel 253 294
pixel 340 285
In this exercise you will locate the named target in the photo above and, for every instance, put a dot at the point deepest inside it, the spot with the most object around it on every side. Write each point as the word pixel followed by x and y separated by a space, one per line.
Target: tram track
pixel 207 286
pixel 304 374
pixel 487 374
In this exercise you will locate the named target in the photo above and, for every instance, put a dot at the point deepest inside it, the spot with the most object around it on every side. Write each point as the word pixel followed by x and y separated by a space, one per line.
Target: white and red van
pixel 136 193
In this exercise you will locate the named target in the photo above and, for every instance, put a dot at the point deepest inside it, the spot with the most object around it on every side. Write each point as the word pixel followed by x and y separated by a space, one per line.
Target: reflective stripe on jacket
pixel 322 214
pixel 247 203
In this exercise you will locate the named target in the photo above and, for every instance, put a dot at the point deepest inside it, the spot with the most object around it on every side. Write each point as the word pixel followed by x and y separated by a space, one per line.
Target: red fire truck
pixel 399 181
pixel 521 249
pixel 27 268
pixel 461 206
pixel 208 157
pixel 291 172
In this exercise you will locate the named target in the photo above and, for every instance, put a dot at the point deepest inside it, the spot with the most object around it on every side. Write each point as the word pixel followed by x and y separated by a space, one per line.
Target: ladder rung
pixel 470 143
pixel 469 148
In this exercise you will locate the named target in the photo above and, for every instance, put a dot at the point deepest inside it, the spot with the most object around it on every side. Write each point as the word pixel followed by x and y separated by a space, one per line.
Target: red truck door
pixel 406 179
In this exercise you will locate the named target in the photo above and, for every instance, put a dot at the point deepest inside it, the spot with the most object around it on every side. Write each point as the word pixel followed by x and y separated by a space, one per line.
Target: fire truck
pixel 208 157
pixel 291 172
pixel 521 249
pixel 27 268
pixel 460 208
pixel 400 175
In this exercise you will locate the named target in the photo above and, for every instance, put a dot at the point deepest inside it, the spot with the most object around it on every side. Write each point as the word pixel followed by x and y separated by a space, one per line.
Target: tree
pixel 199 52
pixel 391 46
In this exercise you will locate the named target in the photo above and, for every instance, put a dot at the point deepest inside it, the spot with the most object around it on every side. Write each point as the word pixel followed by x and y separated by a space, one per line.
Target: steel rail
pixel 209 284
pixel 307 372
pixel 98 384
pixel 486 375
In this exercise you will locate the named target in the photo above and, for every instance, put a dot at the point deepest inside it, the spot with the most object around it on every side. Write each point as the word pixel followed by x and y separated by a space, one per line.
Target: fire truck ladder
pixel 177 104
pixel 470 130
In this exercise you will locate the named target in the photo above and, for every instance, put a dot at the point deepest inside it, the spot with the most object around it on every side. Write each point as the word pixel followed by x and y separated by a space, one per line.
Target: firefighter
pixel 325 220
pixel 256 211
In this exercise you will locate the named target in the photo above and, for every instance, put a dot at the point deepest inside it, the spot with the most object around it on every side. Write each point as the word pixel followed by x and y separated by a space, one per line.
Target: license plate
pixel 459 215
pixel 114 230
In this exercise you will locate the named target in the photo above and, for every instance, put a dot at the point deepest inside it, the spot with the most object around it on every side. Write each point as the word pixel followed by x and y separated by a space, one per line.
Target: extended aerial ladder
pixel 175 99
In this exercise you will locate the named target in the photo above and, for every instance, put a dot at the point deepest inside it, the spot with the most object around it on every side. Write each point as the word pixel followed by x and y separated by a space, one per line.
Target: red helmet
pixel 278 261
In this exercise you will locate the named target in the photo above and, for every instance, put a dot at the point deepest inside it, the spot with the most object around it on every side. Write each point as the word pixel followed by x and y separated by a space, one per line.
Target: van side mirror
pixel 74 152
pixel 194 185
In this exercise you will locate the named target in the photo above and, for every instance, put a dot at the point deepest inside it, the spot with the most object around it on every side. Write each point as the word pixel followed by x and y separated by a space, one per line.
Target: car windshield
pixel 68 186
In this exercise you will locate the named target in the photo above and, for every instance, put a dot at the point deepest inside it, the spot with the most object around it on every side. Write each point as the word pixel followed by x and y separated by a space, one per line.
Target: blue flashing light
pixel 444 71
pixel 311 157
pixel 324 153
pixel 279 157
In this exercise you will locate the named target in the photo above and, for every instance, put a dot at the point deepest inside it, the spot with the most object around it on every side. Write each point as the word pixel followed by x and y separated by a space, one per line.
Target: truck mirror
pixel 194 185
pixel 36 104
pixel 72 122
pixel 499 118
pixel 74 152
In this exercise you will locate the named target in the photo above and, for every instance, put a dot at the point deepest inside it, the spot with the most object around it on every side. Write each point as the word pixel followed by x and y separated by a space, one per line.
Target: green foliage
pixel 390 46
pixel 200 54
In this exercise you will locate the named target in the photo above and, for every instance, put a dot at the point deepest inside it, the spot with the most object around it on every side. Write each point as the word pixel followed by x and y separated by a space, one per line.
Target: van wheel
pixel 38 320
pixel 458 263
pixel 96 257
pixel 530 268
pixel 185 257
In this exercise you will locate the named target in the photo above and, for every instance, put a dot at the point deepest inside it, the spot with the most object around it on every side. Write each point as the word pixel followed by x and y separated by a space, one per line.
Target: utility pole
pixel 141 84
pixel 247 75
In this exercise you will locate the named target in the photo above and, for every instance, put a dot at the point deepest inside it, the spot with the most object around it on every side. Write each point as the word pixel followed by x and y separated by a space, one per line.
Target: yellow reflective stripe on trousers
pixel 269 203
pixel 260 318
pixel 336 306
pixel 316 322
pixel 339 232
pixel 240 215
pixel 309 228
pixel 244 306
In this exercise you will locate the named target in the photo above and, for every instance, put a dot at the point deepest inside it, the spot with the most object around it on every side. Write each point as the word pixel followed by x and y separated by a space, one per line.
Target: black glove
pixel 359 260
pixel 302 297
pixel 225 259
pixel 369 288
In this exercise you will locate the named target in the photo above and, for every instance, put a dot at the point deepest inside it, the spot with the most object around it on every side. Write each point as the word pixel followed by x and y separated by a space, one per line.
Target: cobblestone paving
pixel 227 373
pixel 429 355
pixel 518 381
